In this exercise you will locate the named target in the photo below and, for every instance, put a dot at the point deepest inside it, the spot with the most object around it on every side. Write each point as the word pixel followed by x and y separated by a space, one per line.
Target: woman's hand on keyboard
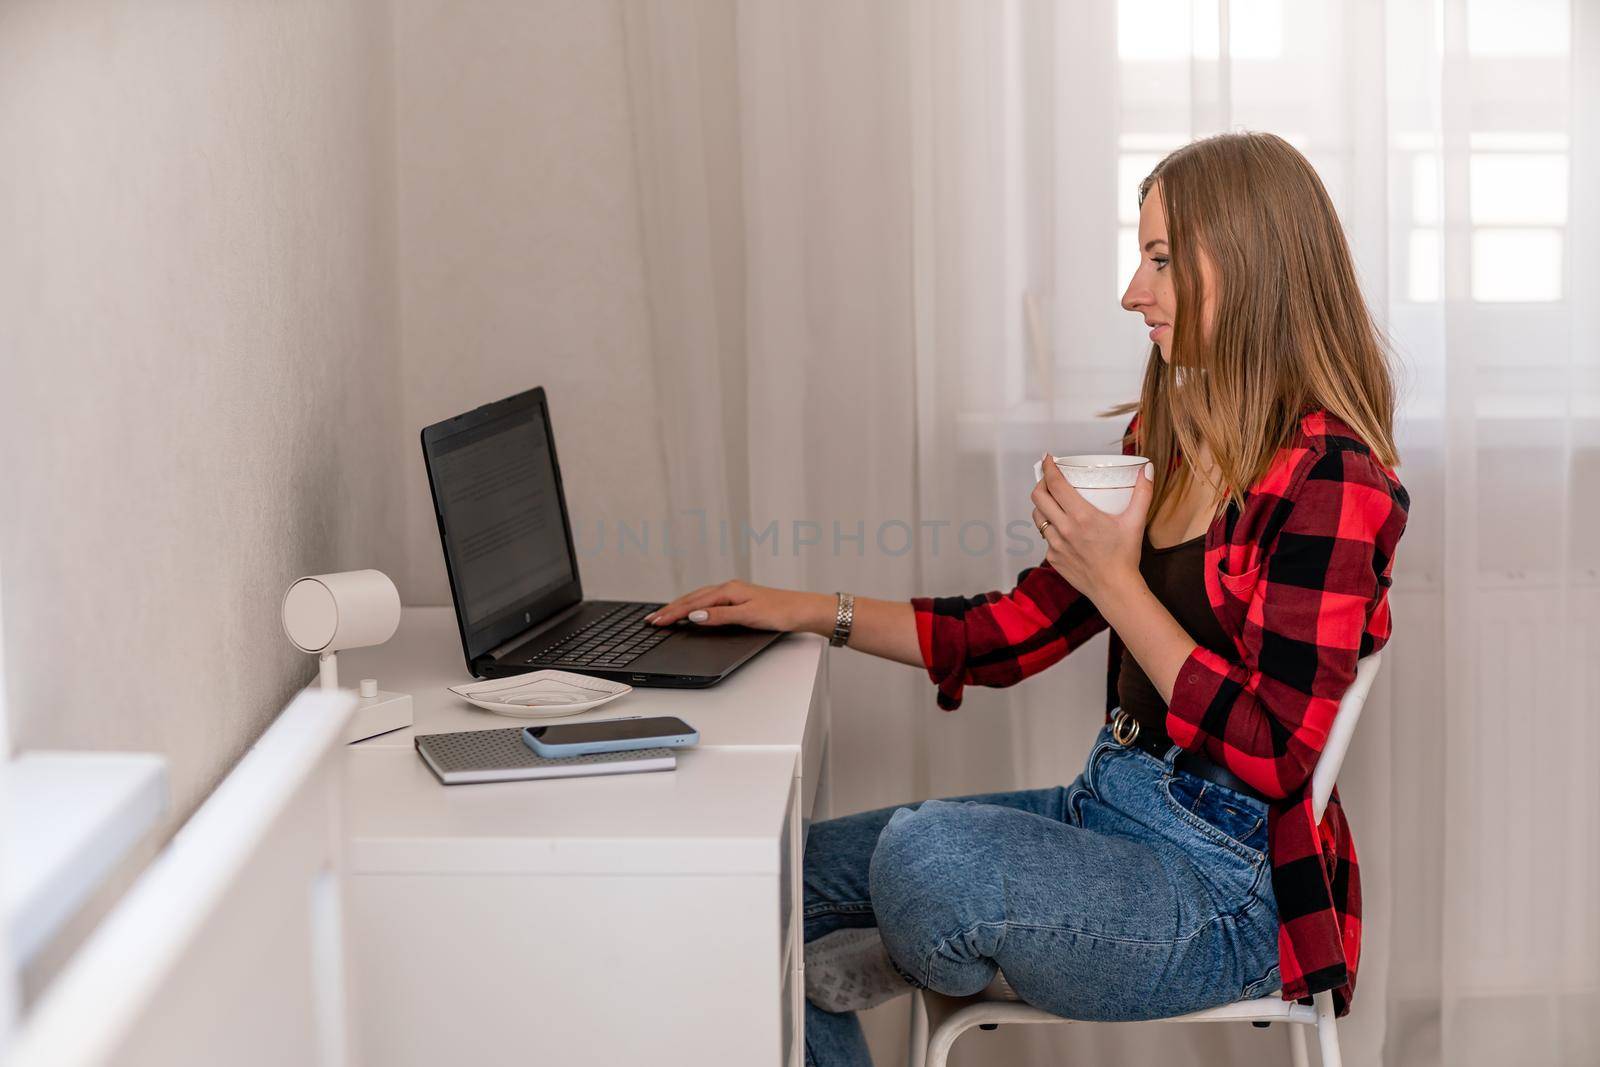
pixel 886 628
pixel 756 606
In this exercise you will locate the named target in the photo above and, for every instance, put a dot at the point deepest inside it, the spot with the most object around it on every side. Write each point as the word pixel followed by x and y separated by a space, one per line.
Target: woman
pixel 1183 867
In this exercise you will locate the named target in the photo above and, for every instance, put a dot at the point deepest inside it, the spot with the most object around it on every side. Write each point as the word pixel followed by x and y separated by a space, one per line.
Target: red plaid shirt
pixel 1299 578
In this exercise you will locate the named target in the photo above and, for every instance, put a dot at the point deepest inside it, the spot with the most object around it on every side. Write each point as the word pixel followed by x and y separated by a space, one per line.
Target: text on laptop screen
pixel 501 513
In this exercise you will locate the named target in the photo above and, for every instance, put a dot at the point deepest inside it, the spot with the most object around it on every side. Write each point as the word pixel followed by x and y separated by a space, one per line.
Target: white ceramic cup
pixel 1105 481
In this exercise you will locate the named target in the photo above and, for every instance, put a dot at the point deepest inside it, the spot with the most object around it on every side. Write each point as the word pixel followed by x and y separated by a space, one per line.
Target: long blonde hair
pixel 1292 331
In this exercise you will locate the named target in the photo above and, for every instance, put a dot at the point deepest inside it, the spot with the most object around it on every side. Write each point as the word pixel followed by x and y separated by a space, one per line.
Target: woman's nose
pixel 1134 297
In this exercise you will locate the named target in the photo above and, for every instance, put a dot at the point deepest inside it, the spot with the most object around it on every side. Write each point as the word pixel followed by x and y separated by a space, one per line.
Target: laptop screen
pixel 497 492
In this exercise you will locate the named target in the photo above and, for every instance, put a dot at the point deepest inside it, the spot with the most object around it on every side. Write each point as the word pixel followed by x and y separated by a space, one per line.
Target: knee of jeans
pixel 929 859
pixel 916 829
pixel 935 887
pixel 894 838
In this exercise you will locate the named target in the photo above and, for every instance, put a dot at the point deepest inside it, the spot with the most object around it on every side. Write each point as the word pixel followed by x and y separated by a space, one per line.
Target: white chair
pixel 937 1020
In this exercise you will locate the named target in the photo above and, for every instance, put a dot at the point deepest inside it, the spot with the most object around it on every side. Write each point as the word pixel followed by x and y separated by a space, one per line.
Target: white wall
pixel 521 260
pixel 197 348
pixel 250 250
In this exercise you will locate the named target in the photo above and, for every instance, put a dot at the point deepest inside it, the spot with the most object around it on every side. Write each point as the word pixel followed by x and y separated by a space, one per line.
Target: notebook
pixel 502 756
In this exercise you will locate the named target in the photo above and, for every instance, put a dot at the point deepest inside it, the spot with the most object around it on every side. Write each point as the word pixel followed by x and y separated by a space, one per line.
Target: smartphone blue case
pixel 622 745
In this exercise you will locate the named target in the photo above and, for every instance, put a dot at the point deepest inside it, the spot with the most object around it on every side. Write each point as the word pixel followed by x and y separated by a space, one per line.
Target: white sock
pixel 849 970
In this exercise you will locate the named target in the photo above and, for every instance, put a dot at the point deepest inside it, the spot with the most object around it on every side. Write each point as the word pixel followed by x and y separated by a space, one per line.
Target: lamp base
pixel 379 714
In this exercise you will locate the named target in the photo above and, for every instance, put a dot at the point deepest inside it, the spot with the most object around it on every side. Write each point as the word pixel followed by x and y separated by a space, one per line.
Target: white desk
pixel 630 919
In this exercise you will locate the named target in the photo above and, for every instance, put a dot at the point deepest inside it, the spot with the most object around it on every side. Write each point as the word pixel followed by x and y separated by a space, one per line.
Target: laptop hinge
pixel 494 654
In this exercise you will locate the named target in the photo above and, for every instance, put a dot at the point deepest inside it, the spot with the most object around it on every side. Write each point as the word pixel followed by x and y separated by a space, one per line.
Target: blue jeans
pixel 1137 892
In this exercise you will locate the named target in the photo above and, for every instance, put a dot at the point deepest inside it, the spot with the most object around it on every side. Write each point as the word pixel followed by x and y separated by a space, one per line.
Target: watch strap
pixel 844 618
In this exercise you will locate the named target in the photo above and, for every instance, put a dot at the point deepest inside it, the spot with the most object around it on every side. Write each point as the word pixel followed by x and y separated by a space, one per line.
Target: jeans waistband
pixel 1192 762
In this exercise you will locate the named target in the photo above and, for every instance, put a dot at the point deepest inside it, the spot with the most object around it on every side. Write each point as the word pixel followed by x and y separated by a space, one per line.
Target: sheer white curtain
pixel 886 247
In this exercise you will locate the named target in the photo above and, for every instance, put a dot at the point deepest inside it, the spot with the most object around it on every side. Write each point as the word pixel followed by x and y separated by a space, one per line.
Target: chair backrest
pixel 1326 771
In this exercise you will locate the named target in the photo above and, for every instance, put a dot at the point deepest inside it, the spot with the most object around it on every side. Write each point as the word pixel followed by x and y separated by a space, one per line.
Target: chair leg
pixel 1297 1045
pixel 940 1043
pixel 1327 1032
pixel 917 1048
pixel 931 1043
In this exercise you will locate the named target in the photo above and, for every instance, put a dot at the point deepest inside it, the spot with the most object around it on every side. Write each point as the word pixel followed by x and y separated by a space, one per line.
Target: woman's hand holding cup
pixel 1096 552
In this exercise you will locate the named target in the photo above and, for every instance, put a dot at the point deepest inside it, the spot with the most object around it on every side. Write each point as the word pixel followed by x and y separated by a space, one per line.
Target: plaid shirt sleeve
pixel 1266 715
pixel 998 639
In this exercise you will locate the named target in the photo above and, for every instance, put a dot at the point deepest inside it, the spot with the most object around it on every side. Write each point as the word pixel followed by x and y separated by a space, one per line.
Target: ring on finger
pixel 1043 526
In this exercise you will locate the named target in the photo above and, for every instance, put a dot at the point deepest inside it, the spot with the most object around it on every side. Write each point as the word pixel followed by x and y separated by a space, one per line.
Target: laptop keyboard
pixel 613 640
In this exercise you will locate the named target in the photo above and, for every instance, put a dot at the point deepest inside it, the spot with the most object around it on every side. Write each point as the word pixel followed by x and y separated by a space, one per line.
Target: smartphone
pixel 609 735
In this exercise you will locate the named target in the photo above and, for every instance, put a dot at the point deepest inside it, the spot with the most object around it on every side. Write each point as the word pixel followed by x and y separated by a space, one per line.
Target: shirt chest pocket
pixel 1237 589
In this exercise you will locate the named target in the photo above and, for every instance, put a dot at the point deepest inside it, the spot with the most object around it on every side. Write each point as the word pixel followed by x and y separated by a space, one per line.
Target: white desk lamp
pixel 324 613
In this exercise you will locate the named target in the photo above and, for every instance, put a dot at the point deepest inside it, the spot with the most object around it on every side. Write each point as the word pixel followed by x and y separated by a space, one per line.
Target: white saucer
pixel 541 694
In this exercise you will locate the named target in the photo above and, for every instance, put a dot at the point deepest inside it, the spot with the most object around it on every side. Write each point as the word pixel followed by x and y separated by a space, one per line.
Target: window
pixel 1514 204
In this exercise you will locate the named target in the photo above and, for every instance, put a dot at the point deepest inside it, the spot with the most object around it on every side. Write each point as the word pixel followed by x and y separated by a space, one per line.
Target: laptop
pixel 509 552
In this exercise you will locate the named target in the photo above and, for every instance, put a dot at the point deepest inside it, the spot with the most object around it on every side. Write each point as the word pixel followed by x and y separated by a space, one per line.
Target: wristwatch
pixel 843 619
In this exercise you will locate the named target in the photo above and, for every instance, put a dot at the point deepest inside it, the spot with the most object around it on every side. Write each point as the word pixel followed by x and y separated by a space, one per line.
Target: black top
pixel 1176 576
